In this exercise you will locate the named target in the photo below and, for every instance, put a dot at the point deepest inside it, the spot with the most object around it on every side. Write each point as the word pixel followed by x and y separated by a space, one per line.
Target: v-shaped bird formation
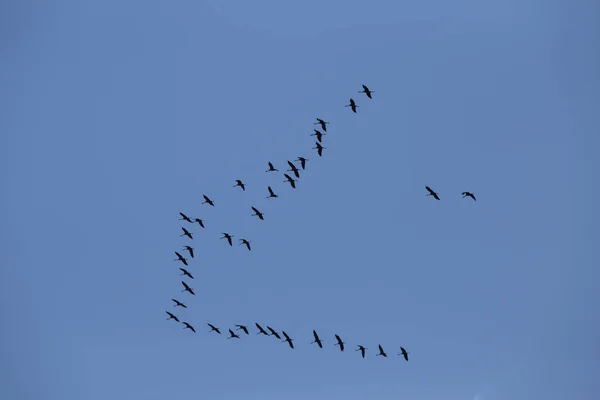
pixel 260 215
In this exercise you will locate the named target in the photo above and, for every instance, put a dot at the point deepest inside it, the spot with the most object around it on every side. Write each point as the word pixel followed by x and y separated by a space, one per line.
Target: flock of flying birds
pixel 229 237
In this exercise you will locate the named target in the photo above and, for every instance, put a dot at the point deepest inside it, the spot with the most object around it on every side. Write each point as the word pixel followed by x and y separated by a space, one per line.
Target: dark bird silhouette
pixel 240 184
pixel 261 330
pixel 274 333
pixel 186 273
pixel 322 123
pixel 469 194
pixel 362 350
pixel 199 221
pixel 318 134
pixel 186 233
pixel 232 335
pixel 381 352
pixel 187 288
pixel 178 303
pixel 207 200
pixel 339 342
pixel 367 91
pixel 403 353
pixel 190 250
pixel 319 148
pixel 244 328
pixel 257 213
pixel 271 167
pixel 271 193
pixel 171 316
pixel 318 341
pixel 188 326
pixel 432 193
pixel 352 105
pixel 180 258
pixel 228 237
pixel 214 328
pixel 185 217
pixel 287 339
pixel 246 242
pixel 294 169
pixel 302 161
pixel 290 180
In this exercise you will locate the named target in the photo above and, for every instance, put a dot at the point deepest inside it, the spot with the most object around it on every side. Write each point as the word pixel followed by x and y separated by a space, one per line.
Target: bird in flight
pixel 318 341
pixel 318 134
pixel 274 332
pixel 188 326
pixel 180 258
pixel 185 217
pixel 432 193
pixel 244 328
pixel 367 91
pixel 362 350
pixel 381 352
pixel 403 353
pixel 186 233
pixel 214 328
pixel 322 123
pixel 319 148
pixel 190 250
pixel 290 180
pixel 294 169
pixel 240 184
pixel 186 273
pixel 232 335
pixel 287 339
pixel 207 200
pixel 171 316
pixel 257 213
pixel 302 161
pixel 199 221
pixel 339 343
pixel 271 167
pixel 271 193
pixel 187 288
pixel 246 242
pixel 469 194
pixel 261 330
pixel 178 303
pixel 352 105
pixel 228 237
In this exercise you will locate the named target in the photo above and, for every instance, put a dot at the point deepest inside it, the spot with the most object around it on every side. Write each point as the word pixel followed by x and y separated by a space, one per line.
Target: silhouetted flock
pixel 294 170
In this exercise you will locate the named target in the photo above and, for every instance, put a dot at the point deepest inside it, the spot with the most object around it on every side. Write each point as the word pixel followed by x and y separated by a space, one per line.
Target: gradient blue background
pixel 116 115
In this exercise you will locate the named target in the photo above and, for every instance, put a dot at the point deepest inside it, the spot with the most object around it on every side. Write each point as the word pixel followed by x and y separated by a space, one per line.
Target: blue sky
pixel 118 115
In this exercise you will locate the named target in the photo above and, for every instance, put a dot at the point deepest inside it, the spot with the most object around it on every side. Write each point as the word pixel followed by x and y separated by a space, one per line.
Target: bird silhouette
pixel 240 184
pixel 190 250
pixel 188 326
pixel 228 237
pixel 290 180
pixel 274 332
pixel 187 288
pixel 352 105
pixel 322 123
pixel 185 217
pixel 171 316
pixel 432 193
pixel 294 169
pixel 232 335
pixel 186 233
pixel 257 213
pixel 318 134
pixel 469 194
pixel 246 242
pixel 186 273
pixel 271 167
pixel 214 328
pixel 244 328
pixel 179 304
pixel 302 161
pixel 339 343
pixel 199 221
pixel 319 149
pixel 367 91
pixel 381 352
pixel 288 339
pixel 180 258
pixel 261 330
pixel 207 200
pixel 318 341
pixel 403 353
pixel 271 193
pixel 362 350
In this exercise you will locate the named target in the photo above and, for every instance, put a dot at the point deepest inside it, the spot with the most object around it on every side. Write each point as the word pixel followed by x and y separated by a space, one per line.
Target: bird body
pixel 186 273
pixel 214 328
pixel 381 352
pixel 290 180
pixel 432 193
pixel 403 353
pixel 188 326
pixel 181 258
pixel 302 161
pixel 187 288
pixel 261 330
pixel 228 237
pixel 207 200
pixel 318 341
pixel 179 304
pixel 319 149
pixel 199 221
pixel 232 335
pixel 190 250
pixel 185 217
pixel 247 243
pixel 287 339
pixel 339 343
pixel 362 350
pixel 271 193
pixel 240 184
pixel 244 328
pixel 186 233
pixel 257 213
pixel 318 134
pixel 271 167
pixel 171 316
pixel 352 105
pixel 322 123
pixel 367 91
pixel 274 332
pixel 469 194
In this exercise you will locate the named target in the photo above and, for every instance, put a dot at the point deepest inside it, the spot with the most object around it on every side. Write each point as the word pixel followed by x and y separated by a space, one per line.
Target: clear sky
pixel 117 115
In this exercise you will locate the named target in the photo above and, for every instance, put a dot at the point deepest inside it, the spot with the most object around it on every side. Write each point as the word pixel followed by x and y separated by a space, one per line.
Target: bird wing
pixel 289 178
pixel 271 191
pixel 286 336
pixel 429 189
pixel 255 210
pixel 338 339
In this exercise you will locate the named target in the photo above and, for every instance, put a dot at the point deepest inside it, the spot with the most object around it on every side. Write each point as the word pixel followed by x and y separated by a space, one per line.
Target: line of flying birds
pixel 260 215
